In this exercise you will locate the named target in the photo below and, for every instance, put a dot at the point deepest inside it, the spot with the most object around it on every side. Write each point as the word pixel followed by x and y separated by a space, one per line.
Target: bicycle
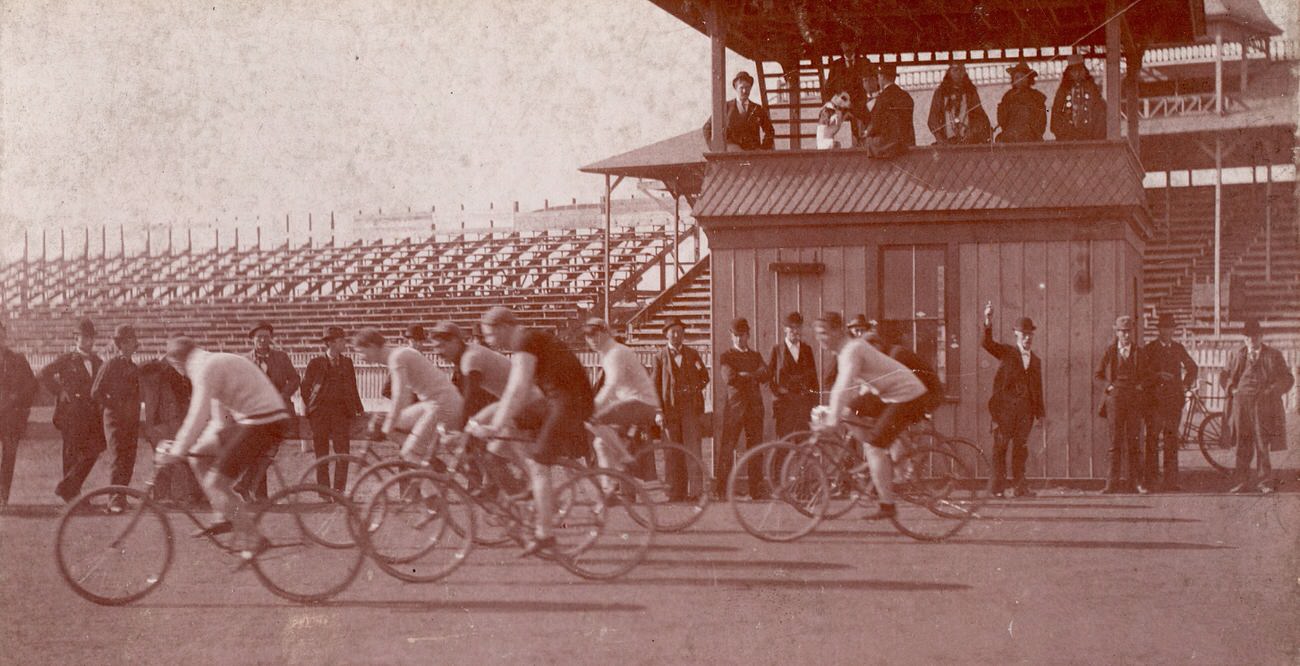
pixel 114 559
pixel 1220 454
pixel 651 460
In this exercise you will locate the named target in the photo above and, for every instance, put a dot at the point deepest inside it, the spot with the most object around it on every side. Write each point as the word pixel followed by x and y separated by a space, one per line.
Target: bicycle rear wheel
pixel 421 527
pixel 113 559
pixel 937 492
pixel 601 532
pixel 314 543
pixel 799 494
pixel 673 514
pixel 1218 451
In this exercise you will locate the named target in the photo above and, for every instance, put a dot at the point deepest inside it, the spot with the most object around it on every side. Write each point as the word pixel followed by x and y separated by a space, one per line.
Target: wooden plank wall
pixel 1072 289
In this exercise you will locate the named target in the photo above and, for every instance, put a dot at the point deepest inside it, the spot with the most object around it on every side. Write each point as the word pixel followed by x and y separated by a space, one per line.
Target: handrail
pixel 629 283
pixel 668 294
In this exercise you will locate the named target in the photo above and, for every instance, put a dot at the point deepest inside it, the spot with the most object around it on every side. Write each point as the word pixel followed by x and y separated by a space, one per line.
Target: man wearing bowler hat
pixel 795 390
pixel 1173 376
pixel 679 377
pixel 1022 113
pixel 77 416
pixel 117 390
pixel 279 368
pixel 1017 402
pixel 748 125
pixel 330 396
pixel 743 375
pixel 1124 373
pixel 1255 380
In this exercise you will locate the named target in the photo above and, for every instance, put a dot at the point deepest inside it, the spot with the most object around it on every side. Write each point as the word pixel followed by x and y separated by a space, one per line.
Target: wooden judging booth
pixel 1052 231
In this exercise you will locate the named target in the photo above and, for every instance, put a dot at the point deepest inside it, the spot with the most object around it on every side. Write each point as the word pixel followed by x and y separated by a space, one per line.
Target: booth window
pixel 912 300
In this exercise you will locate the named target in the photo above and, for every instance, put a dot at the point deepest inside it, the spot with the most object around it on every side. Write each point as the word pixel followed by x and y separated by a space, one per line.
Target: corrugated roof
pixel 933 178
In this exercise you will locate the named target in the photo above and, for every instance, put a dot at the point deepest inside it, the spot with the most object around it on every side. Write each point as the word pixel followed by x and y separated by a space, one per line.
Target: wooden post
pixel 1245 50
pixel 677 236
pixel 1218 70
pixel 1113 84
pixel 1268 220
pixel 1218 234
pixel 718 49
pixel 1134 61
pixel 609 222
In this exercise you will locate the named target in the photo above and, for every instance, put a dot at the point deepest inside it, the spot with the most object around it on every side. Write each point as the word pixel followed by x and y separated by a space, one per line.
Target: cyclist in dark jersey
pixel 540 359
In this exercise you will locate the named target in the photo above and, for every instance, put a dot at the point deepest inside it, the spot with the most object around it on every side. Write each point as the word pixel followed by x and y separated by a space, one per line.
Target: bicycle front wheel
pixel 938 494
pixel 313 543
pixel 421 527
pixel 604 526
pixel 1218 451
pixel 113 559
pixel 799 498
pixel 673 513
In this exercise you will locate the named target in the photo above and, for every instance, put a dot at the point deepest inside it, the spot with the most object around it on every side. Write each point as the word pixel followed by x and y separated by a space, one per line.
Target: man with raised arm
pixel 1017 402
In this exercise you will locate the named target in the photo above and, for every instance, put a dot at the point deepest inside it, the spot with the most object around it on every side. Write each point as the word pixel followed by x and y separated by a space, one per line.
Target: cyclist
pixel 539 360
pixel 870 383
pixel 423 395
pixel 625 400
pixel 236 415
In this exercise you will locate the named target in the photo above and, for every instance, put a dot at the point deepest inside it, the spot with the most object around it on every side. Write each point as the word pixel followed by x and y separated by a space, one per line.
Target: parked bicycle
pixel 1205 427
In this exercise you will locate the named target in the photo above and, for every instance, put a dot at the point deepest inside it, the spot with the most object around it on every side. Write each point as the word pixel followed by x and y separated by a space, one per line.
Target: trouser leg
pixel 754 437
pixel 1243 430
pixel 8 460
pixel 123 439
pixel 1172 416
pixel 1001 438
pixel 81 448
pixel 341 437
pixel 724 455
pixel 1019 452
pixel 320 444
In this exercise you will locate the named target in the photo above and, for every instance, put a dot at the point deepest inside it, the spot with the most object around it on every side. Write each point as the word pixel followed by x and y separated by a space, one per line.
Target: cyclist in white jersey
pixel 423 395
pixel 626 397
pixel 869 382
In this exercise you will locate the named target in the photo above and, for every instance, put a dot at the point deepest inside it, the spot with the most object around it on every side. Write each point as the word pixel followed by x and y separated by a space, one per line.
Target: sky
pixel 133 112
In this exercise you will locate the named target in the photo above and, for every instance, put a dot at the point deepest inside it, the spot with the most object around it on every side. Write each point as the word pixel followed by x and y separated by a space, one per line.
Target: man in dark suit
pixel 679 377
pixel 1123 370
pixel 77 416
pixel 748 125
pixel 17 391
pixel 743 375
pixel 794 379
pixel 329 392
pixel 856 76
pixel 891 132
pixel 1256 379
pixel 1173 376
pixel 1017 402
pixel 279 368
pixel 117 391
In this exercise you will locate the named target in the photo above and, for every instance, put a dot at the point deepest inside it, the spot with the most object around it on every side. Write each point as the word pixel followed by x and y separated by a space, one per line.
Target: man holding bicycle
pixel 870 383
pixel 237 412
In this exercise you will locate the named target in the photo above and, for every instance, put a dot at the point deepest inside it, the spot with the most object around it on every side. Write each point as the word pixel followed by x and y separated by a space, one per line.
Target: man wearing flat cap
pixel 117 390
pixel 794 386
pixel 279 368
pixel 1016 403
pixel 679 377
pixel 332 402
pixel 1255 380
pixel 743 375
pixel 18 389
pixel 1124 374
pixel 1173 376
pixel 748 125
pixel 77 416
pixel 1022 113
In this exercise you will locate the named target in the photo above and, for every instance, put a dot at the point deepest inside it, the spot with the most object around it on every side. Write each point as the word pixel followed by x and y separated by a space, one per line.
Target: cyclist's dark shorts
pixel 560 423
pixel 243 445
pixel 894 418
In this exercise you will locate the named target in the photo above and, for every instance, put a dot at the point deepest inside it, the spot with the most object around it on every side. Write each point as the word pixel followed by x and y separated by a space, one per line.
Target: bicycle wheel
pixel 600 532
pixel 314 543
pixel 937 492
pixel 798 501
pixel 673 514
pixel 967 452
pixel 1220 453
pixel 422 527
pixel 113 559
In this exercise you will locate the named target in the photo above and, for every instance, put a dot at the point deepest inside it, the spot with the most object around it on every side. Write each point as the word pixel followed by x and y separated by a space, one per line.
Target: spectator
pixel 117 391
pixel 332 402
pixel 1173 376
pixel 279 368
pixel 855 77
pixel 743 373
pixel 748 125
pixel 165 393
pixel 832 131
pixel 860 325
pixel 1022 113
pixel 794 379
pixel 77 416
pixel 956 113
pixel 1017 402
pixel 1123 368
pixel 1255 380
pixel 679 377
pixel 17 391
pixel 1079 111
pixel 890 133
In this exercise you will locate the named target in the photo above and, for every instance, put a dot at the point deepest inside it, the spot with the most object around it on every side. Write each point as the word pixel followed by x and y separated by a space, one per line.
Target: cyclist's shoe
pixel 885 512
pixel 215 529
pixel 1142 489
pixel 997 493
pixel 118 504
pixel 1268 487
pixel 250 553
pixel 536 546
pixel 1242 488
